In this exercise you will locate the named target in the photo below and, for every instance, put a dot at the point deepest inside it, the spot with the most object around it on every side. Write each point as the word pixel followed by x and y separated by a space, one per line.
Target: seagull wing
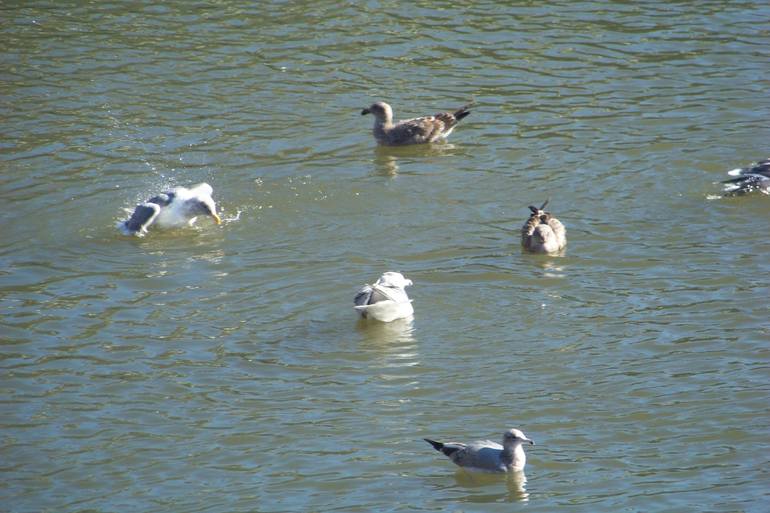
pixel 481 455
pixel 747 179
pixel 416 131
pixel 425 129
pixel 450 119
pixel 372 294
pixel 528 229
pixel 395 294
pixel 164 199
pixel 144 215
pixel 760 168
pixel 559 230
pixel 363 296
pixel 202 189
pixel 383 303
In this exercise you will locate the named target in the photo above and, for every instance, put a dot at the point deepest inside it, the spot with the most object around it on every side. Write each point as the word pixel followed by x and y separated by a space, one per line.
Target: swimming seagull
pixel 177 207
pixel 543 233
pixel 426 129
pixel 488 456
pixel 386 300
pixel 756 177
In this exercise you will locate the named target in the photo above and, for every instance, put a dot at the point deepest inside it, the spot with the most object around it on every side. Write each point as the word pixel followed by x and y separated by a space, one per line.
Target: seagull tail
pixel 436 445
pixel 462 112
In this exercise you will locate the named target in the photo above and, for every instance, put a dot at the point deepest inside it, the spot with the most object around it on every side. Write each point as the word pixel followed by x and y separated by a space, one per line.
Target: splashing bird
pixel 755 177
pixel 178 207
pixel 426 129
pixel 543 233
pixel 487 456
pixel 386 300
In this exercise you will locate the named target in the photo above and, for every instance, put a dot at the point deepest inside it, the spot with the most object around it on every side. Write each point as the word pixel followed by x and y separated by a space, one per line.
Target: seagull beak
pixel 531 442
pixel 217 219
pixel 365 111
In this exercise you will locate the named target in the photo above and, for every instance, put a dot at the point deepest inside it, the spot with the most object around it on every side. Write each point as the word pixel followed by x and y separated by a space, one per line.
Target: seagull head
pixel 379 110
pixel 394 279
pixel 206 207
pixel 514 437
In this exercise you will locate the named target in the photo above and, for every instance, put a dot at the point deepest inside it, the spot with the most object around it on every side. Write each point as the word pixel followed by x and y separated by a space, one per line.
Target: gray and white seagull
pixel 386 299
pixel 177 207
pixel 488 456
pixel 421 130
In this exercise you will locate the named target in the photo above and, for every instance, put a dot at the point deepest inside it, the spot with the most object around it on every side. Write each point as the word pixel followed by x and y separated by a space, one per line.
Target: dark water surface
pixel 221 369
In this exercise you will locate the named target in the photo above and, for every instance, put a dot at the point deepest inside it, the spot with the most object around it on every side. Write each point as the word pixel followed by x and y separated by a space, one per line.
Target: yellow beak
pixel 217 219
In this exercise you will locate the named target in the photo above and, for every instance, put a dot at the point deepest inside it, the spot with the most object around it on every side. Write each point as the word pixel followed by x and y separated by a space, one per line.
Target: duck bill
pixel 365 111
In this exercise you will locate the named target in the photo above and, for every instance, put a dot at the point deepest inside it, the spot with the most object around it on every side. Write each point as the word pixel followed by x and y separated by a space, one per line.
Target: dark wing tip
pixel 436 445
pixel 142 217
pixel 463 111
pixel 461 114
pixel 744 184
pixel 364 296
pixel 762 167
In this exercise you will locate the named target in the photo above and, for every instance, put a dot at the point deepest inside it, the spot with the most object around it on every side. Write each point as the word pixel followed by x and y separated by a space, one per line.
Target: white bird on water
pixel 488 456
pixel 543 233
pixel 386 300
pixel 426 129
pixel 177 207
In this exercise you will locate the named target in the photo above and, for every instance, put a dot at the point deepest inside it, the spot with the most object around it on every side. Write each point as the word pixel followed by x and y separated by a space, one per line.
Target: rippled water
pixel 222 369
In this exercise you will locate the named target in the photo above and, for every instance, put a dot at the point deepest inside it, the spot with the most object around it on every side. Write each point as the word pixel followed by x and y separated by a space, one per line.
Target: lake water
pixel 222 369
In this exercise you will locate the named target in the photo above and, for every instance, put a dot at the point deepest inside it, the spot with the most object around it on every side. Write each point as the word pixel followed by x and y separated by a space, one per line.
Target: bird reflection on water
pixel 387 336
pixel 386 157
pixel 515 483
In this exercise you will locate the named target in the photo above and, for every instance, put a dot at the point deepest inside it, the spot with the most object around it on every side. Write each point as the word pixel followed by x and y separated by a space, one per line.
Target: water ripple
pixel 230 357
